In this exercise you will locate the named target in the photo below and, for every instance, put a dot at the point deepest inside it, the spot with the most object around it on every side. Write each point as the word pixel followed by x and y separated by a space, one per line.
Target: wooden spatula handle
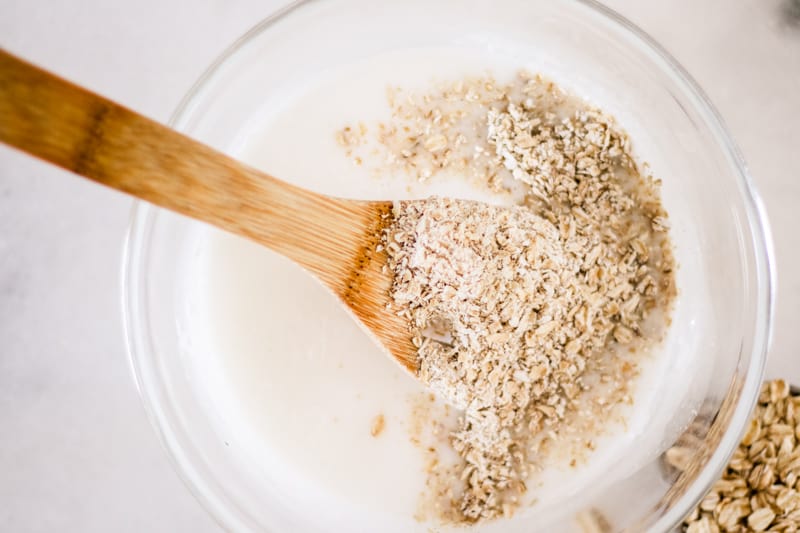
pixel 336 239
pixel 89 135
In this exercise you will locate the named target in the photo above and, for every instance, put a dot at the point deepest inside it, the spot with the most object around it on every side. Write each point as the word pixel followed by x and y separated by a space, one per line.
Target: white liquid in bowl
pixel 294 384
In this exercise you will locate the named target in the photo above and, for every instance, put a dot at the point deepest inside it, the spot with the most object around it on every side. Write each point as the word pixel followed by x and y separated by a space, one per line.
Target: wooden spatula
pixel 333 238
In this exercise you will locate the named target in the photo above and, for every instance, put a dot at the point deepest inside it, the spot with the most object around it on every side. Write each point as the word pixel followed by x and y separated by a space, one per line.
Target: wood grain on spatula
pixel 335 239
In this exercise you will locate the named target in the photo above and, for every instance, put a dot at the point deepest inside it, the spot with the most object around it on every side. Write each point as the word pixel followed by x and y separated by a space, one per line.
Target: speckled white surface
pixel 76 450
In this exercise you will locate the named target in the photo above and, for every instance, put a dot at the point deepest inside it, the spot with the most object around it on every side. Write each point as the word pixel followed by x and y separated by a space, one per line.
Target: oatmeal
pixel 530 318
pixel 378 425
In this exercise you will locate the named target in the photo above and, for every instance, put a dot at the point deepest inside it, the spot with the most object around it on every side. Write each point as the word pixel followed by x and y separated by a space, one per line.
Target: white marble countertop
pixel 76 450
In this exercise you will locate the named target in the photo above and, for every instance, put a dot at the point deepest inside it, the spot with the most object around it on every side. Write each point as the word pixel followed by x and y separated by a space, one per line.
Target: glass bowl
pixel 721 322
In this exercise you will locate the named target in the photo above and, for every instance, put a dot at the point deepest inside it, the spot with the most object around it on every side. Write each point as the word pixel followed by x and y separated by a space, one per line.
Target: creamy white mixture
pixel 295 384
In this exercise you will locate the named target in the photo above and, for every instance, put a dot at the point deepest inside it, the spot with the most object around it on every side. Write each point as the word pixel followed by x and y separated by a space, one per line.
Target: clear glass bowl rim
pixel 135 250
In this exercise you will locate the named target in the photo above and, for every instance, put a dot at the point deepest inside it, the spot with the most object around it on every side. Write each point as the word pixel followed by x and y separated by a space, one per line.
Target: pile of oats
pixel 760 489
pixel 476 277
pixel 520 313
pixel 481 285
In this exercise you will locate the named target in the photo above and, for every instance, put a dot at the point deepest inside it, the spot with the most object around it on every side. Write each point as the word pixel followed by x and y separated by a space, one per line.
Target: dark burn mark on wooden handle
pixel 85 151
pixel 353 286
